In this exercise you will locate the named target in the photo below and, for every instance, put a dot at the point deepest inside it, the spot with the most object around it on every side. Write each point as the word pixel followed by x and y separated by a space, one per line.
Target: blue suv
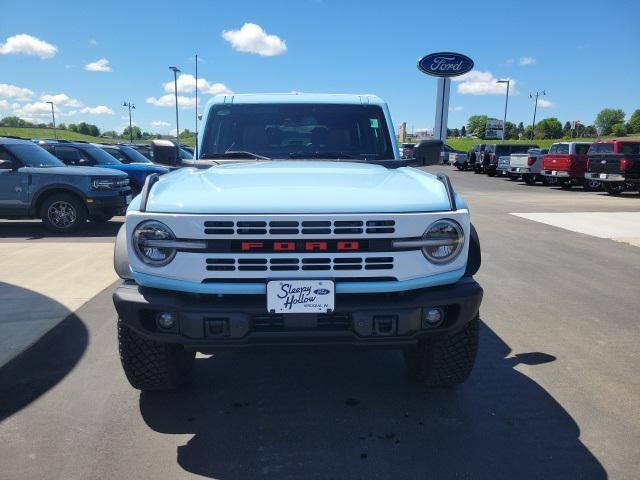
pixel 90 155
pixel 34 183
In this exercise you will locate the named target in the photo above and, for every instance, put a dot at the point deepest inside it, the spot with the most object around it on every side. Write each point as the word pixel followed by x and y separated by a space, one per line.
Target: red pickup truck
pixel 568 162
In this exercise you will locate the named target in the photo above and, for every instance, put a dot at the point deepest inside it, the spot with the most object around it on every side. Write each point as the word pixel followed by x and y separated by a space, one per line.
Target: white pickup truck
pixel 528 166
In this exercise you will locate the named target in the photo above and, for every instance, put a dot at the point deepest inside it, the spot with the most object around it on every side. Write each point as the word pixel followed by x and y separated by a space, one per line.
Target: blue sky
pixel 584 54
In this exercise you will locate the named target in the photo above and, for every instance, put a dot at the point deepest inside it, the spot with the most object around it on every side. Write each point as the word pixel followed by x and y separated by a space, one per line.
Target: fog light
pixel 166 320
pixel 432 317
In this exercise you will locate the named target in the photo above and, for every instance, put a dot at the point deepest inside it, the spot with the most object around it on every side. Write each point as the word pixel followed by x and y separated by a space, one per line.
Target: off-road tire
pixel 72 202
pixel 445 361
pixel 150 365
pixel 512 177
pixel 529 179
pixel 566 185
pixel 491 173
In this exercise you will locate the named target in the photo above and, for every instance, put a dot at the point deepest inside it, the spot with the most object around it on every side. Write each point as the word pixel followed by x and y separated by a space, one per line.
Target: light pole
pixel 53 115
pixel 535 109
pixel 131 106
pixel 176 70
pixel 506 103
pixel 196 152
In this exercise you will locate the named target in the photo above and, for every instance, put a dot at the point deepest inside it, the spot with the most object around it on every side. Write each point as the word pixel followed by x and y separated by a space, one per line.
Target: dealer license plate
pixel 300 296
pixel 603 175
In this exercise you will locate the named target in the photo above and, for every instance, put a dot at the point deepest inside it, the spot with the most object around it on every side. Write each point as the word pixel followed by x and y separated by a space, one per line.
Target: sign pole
pixel 442 108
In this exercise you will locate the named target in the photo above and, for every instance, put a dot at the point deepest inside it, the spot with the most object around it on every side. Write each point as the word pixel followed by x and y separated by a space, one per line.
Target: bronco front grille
pixel 323 322
pixel 257 264
pixel 294 227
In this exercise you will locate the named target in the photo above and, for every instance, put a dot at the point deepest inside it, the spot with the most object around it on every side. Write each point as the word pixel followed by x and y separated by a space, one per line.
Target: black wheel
pixel 153 366
pixel 491 173
pixel 529 179
pixel 100 218
pixel 566 184
pixel 459 167
pixel 512 177
pixel 63 213
pixel 445 361
pixel 476 170
pixel 614 188
pixel 591 185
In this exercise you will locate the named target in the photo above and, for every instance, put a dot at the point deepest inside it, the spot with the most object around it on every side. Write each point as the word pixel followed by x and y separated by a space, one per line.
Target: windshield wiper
pixel 234 154
pixel 328 155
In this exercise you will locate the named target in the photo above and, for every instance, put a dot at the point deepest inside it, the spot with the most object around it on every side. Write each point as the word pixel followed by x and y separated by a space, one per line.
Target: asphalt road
pixel 555 392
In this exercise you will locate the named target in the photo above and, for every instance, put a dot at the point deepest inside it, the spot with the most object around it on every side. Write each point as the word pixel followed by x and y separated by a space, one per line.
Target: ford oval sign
pixel 445 64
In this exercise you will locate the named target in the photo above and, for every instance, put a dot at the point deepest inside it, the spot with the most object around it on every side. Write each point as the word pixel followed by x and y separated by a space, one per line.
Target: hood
pixel 137 167
pixel 78 171
pixel 297 187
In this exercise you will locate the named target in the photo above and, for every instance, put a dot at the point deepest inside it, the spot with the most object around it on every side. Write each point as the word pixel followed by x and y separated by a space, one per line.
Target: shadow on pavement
pixel 355 415
pixel 49 359
pixel 34 230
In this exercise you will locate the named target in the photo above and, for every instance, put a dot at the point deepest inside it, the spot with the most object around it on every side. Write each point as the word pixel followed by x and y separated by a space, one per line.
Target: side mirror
pixel 7 165
pixel 165 152
pixel 427 152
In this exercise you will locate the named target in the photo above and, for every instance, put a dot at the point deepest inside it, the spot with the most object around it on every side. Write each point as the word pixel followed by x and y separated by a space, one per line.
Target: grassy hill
pixel 29 133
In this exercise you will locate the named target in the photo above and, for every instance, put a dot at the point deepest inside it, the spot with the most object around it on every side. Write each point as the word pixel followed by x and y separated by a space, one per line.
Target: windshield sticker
pixel 373 122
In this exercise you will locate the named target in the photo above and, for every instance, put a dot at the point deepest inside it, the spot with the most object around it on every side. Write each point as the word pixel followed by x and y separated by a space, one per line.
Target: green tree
pixel 548 128
pixel 619 130
pixel 94 131
pixel 83 128
pixel 566 130
pixel 463 131
pixel 634 122
pixel 589 131
pixel 477 124
pixel 455 133
pixel 110 134
pixel 510 131
pixel 13 121
pixel 607 118
pixel 62 126
pixel 73 127
pixel 520 129
pixel 137 133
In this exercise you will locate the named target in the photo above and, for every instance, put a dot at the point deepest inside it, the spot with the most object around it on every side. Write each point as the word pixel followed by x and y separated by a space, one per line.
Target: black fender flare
pixel 474 258
pixel 55 187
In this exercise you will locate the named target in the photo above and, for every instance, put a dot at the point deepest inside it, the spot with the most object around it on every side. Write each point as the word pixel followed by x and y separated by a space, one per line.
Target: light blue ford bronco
pixel 298 226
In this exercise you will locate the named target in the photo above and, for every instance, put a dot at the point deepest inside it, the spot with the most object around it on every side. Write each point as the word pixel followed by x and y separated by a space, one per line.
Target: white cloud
pixel 251 38
pixel 35 109
pixel 542 103
pixel 99 110
pixel 4 105
pixel 477 82
pixel 524 61
pixel 12 91
pixel 169 100
pixel 93 41
pixel 187 84
pixel 27 45
pixel 101 65
pixel 61 99
pixel 160 123
pixel 456 109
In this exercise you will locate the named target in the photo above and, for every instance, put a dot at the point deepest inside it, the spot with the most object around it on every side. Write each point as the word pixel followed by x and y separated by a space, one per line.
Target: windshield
pixel 283 131
pixel 34 156
pixel 134 156
pixel 100 156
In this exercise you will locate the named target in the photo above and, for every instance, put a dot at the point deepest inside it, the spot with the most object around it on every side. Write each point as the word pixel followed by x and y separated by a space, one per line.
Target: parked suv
pixel 497 156
pixel 615 163
pixel 317 239
pixel 567 162
pixel 34 183
pixel 124 153
pixel 89 155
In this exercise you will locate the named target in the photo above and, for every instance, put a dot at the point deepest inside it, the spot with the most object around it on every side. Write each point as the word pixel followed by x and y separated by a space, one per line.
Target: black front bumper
pixel 209 322
pixel 108 205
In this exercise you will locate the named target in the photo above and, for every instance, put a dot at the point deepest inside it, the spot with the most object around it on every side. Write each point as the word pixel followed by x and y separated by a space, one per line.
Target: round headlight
pixel 445 241
pixel 143 242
